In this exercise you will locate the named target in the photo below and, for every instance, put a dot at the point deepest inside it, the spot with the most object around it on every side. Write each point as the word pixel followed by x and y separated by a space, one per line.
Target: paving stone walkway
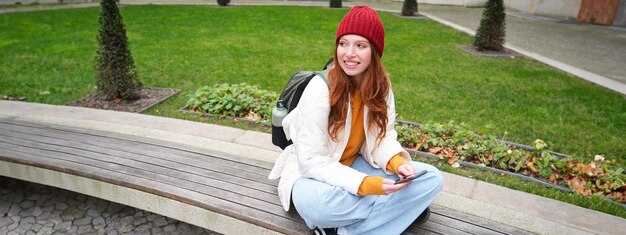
pixel 29 208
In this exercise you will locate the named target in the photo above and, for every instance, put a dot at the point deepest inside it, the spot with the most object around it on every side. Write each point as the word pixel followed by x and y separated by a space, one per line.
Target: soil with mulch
pixel 417 16
pixel 148 96
pixel 504 53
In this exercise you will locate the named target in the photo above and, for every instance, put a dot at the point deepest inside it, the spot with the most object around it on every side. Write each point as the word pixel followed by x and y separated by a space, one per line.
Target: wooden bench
pixel 218 191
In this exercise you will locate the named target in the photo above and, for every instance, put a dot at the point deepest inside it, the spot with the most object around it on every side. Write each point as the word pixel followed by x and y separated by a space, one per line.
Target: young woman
pixel 341 168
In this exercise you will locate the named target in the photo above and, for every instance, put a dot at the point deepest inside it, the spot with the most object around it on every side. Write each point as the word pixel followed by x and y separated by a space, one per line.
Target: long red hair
pixel 374 89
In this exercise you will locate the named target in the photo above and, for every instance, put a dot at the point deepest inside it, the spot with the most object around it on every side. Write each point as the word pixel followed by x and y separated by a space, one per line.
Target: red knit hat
pixel 363 21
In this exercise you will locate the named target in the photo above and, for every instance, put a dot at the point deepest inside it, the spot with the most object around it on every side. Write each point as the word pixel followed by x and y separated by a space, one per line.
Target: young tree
pixel 409 8
pixel 490 34
pixel 223 2
pixel 115 69
pixel 335 3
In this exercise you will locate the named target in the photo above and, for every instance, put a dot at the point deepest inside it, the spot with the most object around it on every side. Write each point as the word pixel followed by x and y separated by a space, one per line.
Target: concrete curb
pixel 522 210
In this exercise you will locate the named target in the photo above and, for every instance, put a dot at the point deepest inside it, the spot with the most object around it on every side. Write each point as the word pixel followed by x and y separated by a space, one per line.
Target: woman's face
pixel 354 54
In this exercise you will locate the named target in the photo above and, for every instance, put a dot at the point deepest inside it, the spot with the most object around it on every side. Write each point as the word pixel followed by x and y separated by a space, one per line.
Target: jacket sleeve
pixel 389 146
pixel 307 126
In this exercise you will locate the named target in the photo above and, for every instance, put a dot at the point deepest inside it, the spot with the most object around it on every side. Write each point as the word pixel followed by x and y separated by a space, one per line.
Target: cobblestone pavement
pixel 29 208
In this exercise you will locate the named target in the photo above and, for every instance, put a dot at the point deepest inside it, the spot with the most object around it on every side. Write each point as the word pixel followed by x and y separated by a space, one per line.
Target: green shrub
pixel 238 100
pixel 490 33
pixel 409 8
pixel 223 2
pixel 335 3
pixel 116 76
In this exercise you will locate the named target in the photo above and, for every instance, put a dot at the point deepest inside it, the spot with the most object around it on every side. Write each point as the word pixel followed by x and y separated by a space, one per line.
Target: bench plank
pixel 460 225
pixel 124 138
pixel 194 158
pixel 476 221
pixel 175 169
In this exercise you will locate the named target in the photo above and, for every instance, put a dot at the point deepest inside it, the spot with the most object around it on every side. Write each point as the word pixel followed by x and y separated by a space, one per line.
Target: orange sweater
pixel 371 185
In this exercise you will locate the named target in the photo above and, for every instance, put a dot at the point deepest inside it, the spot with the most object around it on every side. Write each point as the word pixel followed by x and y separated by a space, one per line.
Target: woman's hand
pixel 390 187
pixel 403 171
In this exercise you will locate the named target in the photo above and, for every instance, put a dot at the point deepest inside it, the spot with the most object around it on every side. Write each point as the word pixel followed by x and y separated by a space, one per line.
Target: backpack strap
pixel 324 75
pixel 324 72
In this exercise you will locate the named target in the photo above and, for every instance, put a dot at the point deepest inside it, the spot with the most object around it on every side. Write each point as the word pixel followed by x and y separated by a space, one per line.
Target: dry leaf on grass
pixel 453 160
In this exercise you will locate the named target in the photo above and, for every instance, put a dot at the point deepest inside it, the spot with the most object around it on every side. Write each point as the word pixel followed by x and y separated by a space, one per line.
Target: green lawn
pixel 187 47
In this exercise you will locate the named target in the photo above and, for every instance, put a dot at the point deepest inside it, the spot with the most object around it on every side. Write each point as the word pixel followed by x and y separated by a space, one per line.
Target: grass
pixel 187 47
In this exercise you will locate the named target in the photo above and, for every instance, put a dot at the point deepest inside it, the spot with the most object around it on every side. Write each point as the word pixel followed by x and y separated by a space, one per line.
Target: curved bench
pixel 218 191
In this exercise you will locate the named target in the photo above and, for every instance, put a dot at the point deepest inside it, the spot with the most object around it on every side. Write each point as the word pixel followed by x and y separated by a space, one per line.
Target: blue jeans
pixel 327 206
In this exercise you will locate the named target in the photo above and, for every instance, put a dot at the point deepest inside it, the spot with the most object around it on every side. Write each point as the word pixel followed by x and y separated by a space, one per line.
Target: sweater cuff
pixel 395 162
pixel 371 185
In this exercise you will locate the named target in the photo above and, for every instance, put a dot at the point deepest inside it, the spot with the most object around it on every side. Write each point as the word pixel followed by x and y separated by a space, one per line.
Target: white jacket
pixel 314 154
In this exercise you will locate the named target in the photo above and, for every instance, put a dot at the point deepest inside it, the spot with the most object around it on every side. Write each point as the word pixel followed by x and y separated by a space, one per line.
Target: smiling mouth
pixel 351 63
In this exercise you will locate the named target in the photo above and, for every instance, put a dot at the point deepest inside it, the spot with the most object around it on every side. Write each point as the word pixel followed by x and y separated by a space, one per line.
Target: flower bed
pixel 456 143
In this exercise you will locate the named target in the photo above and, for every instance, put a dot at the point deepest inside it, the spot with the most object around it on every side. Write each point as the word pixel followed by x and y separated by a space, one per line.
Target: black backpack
pixel 291 95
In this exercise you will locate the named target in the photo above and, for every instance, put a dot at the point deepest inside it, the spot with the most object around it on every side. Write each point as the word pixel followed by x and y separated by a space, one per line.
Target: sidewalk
pixel 522 210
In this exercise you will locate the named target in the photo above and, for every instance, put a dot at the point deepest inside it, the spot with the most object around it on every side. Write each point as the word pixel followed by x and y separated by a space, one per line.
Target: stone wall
pixel 560 8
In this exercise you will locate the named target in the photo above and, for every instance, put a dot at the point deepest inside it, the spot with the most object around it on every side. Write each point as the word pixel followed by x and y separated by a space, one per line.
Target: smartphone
pixel 410 177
